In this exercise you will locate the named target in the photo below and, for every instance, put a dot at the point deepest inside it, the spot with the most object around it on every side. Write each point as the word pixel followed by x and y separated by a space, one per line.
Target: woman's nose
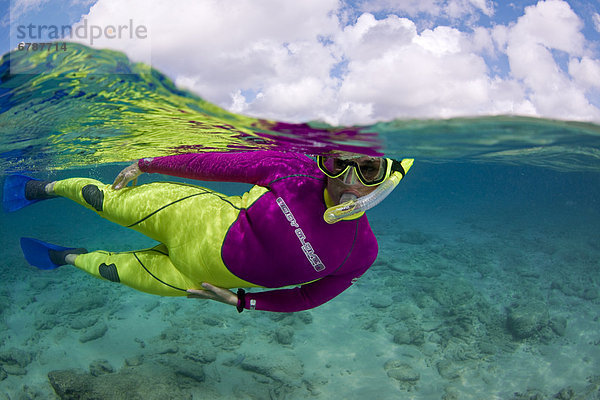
pixel 350 178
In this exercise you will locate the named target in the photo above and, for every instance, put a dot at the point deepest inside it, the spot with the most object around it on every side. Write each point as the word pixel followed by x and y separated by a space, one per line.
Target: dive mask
pixel 384 172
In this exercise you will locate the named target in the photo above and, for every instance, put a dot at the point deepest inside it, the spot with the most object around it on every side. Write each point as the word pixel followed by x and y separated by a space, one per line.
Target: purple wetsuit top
pixel 281 239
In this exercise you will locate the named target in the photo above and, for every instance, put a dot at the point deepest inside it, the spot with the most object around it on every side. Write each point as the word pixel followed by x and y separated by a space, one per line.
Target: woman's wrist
pixel 241 300
pixel 144 163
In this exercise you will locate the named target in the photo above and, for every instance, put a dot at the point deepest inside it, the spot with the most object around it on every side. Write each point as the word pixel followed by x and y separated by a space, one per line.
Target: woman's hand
pixel 211 292
pixel 129 174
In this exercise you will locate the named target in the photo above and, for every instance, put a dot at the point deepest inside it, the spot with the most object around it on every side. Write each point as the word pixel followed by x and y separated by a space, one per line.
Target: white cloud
pixel 586 72
pixel 294 98
pixel 596 19
pixel 440 41
pixel 546 27
pixel 485 6
pixel 455 9
pixel 418 75
pixel 410 7
pixel 499 35
pixel 482 41
pixel 216 48
pixel 461 8
pixel 261 58
pixel 551 23
pixel 369 38
pixel 238 103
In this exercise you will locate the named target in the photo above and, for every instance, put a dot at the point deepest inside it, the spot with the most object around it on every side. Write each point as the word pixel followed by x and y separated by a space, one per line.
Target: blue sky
pixel 356 61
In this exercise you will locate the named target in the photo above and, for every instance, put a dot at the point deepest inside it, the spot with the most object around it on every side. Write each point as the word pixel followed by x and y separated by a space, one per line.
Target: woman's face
pixel 336 188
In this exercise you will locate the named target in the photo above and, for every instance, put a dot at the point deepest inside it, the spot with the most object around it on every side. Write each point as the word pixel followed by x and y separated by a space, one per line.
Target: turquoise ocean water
pixel 487 284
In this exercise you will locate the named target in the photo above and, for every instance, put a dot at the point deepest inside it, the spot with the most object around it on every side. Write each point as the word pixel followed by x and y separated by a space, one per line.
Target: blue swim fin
pixel 13 196
pixel 36 252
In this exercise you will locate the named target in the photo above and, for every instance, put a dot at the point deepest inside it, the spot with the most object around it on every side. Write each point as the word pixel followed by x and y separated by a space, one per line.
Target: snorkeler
pixel 273 236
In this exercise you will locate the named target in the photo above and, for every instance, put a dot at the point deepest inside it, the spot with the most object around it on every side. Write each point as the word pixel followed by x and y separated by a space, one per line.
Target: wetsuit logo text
pixel 306 247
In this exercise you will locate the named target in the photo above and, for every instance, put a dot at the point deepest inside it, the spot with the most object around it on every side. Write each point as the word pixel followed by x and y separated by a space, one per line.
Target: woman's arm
pixel 256 167
pixel 303 297
pixel 283 300
pixel 216 293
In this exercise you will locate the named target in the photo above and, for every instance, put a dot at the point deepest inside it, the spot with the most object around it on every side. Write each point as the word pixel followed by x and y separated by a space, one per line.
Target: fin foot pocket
pixel 59 257
pixel 38 253
pixel 21 191
pixel 36 190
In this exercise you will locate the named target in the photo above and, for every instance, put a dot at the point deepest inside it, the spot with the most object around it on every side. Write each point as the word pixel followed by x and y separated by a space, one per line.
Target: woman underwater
pixel 273 236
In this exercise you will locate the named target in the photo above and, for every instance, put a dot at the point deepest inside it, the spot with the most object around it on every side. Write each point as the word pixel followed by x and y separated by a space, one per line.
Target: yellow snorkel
pixel 357 205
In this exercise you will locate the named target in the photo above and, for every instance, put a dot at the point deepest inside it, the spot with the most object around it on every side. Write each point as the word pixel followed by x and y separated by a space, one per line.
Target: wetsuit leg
pixel 191 221
pixel 149 270
pixel 158 209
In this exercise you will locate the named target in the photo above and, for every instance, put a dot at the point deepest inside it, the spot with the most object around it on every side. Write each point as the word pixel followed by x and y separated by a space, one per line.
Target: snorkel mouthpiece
pixel 351 205
pixel 347 197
